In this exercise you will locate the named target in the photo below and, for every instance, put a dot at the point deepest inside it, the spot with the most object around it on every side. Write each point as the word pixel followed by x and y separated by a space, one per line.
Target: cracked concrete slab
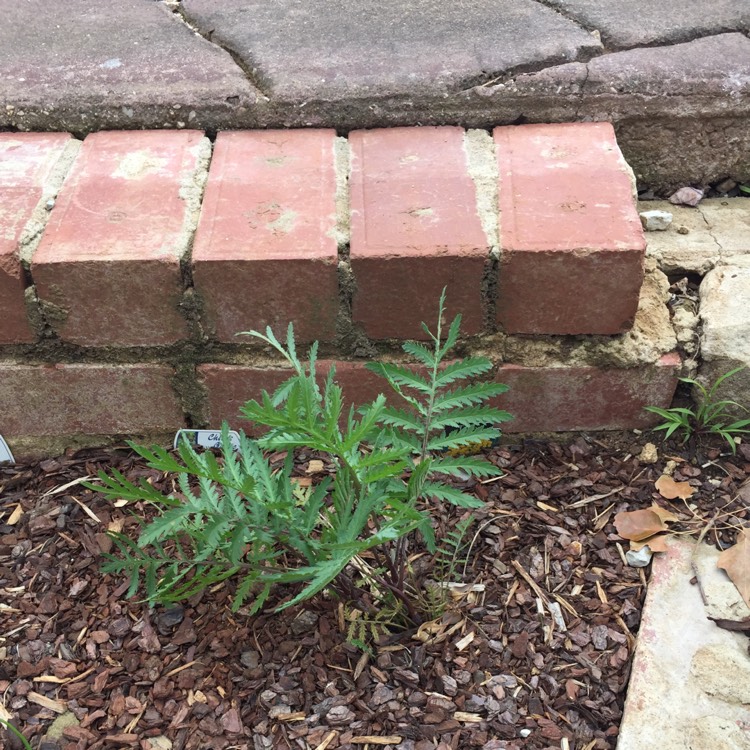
pixel 680 110
pixel 685 668
pixel 84 65
pixel 638 23
pixel 325 50
pixel 716 232
pixel 725 336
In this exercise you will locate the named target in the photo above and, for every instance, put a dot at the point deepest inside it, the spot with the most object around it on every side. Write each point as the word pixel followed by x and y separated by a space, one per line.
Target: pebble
pixel 686 196
pixel 655 221
pixel 649 454
pixel 683 230
pixel 339 715
pixel 304 623
pixel 639 559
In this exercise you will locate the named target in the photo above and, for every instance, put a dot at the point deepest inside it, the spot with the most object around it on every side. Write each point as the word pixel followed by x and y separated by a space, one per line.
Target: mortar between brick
pixel 32 232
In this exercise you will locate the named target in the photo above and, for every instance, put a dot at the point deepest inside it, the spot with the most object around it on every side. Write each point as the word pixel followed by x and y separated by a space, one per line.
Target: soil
pixel 539 658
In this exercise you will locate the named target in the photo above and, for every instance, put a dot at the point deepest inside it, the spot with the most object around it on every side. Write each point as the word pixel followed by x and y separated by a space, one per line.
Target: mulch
pixel 540 658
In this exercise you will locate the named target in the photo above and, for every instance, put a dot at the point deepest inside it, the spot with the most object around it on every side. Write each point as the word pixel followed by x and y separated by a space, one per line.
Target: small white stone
pixel 655 221
pixel 649 454
pixel 525 733
pixel 639 559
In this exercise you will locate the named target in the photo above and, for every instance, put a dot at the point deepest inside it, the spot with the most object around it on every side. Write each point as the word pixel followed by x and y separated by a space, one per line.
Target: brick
pixel 559 399
pixel 78 399
pixel 228 387
pixel 28 163
pixel 266 250
pixel 414 229
pixel 572 247
pixel 109 261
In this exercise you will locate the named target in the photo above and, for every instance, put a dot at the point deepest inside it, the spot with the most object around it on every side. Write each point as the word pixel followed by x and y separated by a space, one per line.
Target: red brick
pixel 414 229
pixel 26 163
pixel 558 399
pixel 230 386
pixel 265 251
pixel 52 400
pixel 110 257
pixel 572 247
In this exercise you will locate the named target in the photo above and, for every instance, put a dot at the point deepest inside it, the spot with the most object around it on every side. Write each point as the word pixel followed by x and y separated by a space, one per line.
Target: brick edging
pixel 351 238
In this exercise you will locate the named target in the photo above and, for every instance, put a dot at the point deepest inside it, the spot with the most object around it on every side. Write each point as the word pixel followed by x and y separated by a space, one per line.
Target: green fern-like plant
pixel 239 517
pixel 443 414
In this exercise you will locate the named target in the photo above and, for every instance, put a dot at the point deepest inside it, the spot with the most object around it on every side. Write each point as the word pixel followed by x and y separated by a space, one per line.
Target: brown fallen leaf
pixel 656 543
pixel 638 524
pixel 670 489
pixel 665 514
pixel 736 562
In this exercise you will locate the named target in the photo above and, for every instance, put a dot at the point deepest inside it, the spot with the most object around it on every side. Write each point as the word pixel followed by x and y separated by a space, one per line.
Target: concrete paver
pixel 84 65
pixel 667 74
pixel 690 679
pixel 644 22
pixel 334 49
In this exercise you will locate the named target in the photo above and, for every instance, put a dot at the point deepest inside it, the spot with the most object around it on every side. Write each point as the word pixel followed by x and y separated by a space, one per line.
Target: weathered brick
pixel 558 399
pixel 108 266
pixel 414 229
pixel 82 399
pixel 266 249
pixel 28 163
pixel 572 247
pixel 228 387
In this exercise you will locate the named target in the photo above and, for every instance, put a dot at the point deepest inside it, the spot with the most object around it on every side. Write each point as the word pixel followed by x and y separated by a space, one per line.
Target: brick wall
pixel 130 261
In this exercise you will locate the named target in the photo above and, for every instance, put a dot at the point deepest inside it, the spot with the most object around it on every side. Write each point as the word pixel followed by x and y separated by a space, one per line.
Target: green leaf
pixel 468 395
pixel 470 367
pixel 459 465
pixel 464 436
pixel 400 376
pixel 451 495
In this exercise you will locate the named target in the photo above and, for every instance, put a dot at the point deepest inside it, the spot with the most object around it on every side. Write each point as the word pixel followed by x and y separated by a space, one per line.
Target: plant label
pixel 206 438
pixel 5 455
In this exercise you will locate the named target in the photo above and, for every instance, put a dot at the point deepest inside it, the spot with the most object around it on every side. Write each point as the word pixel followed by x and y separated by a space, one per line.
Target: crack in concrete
pixel 254 78
pixel 711 234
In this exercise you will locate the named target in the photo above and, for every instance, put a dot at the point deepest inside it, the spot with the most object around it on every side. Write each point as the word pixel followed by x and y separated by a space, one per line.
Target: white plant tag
pixel 206 438
pixel 5 454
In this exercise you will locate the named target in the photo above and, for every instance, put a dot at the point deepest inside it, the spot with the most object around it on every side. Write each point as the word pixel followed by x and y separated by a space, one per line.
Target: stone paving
pixel 669 75
pixel 690 684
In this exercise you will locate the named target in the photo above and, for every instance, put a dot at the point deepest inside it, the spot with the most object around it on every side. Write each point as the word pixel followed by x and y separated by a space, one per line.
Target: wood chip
pixel 465 641
pixel 42 700
pixel 327 741
pixel 467 717
pixel 371 739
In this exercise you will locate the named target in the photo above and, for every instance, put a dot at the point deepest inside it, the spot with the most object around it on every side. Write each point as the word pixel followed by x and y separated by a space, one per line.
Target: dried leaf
pixel 657 543
pixel 638 524
pixel 665 514
pixel 670 489
pixel 736 562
